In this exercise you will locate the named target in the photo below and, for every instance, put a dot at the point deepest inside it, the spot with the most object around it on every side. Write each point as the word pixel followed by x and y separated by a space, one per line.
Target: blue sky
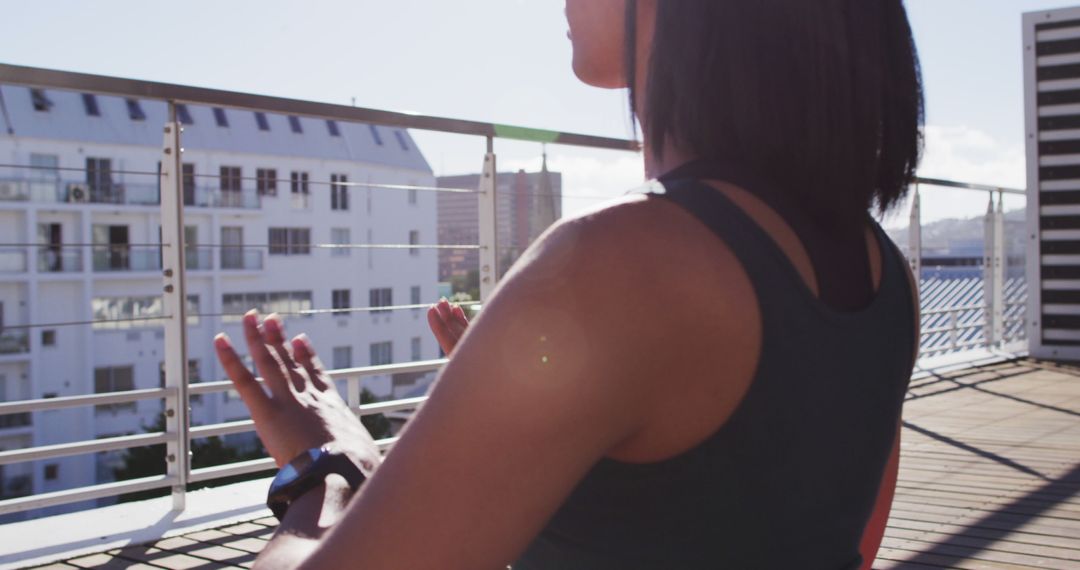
pixel 498 60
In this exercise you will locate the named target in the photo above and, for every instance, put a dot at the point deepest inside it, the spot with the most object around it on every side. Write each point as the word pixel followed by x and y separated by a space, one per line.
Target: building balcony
pixel 14 341
pixel 59 259
pixel 199 259
pixel 14 190
pixel 237 259
pixel 246 199
pixel 112 259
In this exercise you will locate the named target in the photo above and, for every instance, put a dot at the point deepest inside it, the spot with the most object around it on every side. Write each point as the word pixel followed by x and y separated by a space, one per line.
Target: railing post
pixel 994 271
pixel 954 330
pixel 177 425
pixel 489 246
pixel 915 237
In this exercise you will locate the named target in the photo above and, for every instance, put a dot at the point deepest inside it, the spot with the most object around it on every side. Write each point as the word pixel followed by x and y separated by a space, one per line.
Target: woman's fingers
pixel 267 363
pixel 246 384
pixel 442 333
pixel 274 334
pixel 305 356
pixel 457 323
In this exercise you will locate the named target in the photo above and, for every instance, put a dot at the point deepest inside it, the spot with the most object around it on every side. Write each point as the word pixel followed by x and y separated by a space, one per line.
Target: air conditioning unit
pixel 78 193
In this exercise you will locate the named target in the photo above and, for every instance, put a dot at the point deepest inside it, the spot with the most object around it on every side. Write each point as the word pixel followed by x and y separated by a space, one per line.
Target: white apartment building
pixel 78 180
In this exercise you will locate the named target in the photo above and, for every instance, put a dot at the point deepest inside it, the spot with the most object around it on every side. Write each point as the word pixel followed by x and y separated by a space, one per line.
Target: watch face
pixel 291 471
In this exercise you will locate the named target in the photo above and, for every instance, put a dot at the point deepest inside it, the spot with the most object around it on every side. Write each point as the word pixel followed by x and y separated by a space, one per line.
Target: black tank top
pixel 790 480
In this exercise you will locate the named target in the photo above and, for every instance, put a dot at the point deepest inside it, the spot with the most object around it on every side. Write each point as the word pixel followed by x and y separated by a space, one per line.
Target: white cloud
pixel 964 154
pixel 958 153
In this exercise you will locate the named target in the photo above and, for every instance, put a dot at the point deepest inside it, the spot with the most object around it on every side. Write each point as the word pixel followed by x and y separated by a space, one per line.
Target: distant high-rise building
pixel 527 203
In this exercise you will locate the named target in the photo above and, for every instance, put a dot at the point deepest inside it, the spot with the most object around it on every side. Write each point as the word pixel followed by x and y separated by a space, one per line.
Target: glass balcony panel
pixel 198 259
pixel 14 190
pixel 14 341
pixel 219 198
pixel 58 260
pixel 241 259
pixel 124 258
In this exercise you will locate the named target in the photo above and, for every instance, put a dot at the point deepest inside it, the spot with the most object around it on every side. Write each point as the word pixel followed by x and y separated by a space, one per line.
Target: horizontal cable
pixel 307 312
pixel 334 311
pixel 83 323
pixel 200 388
pixel 75 169
pixel 98 245
pixel 344 183
pixel 250 245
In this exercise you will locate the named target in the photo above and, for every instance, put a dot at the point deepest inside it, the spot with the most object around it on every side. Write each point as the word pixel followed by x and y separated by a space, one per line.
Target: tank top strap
pixel 767 266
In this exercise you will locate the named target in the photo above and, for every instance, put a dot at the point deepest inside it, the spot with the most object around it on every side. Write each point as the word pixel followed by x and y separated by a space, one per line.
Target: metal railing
pixel 118 258
pixel 173 259
pixel 983 311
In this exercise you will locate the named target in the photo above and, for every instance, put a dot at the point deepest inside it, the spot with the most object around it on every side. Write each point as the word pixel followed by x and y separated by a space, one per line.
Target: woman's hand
pixel 303 409
pixel 448 322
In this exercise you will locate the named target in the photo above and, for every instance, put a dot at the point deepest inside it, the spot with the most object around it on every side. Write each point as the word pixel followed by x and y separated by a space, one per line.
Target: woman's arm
pixel 557 371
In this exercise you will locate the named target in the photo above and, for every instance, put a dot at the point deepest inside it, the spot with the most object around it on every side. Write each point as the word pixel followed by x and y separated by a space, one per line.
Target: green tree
pixel 377 425
pixel 150 460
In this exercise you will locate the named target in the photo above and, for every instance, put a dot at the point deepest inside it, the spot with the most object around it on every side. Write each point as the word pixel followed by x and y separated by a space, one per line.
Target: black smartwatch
pixel 306 472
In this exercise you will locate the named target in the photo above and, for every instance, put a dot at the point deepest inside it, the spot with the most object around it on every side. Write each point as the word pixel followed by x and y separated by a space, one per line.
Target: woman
pixel 708 376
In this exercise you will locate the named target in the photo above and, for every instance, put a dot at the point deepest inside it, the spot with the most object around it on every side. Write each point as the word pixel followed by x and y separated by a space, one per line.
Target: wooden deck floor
pixel 990 478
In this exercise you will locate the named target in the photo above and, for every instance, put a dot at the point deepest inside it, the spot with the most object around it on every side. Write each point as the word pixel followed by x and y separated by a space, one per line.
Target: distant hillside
pixel 965 236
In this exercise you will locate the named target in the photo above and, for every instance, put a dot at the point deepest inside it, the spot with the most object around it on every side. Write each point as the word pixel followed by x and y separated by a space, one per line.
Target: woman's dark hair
pixel 824 97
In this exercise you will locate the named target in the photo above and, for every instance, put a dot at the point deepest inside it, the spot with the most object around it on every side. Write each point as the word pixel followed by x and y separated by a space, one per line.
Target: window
pixel 260 119
pixel 414 295
pixel 266 181
pixel 340 236
pixel 375 134
pixel 220 118
pixel 40 100
pixel 290 241
pixel 341 299
pixel 48 337
pixel 99 181
pixel 342 357
pixel 331 125
pixel 114 379
pixel 116 313
pixel 232 187
pixel 401 140
pixel 234 305
pixel 52 471
pixel 232 179
pixel 339 192
pixel 383 297
pixel 299 185
pixel 414 239
pixel 294 124
pixel 194 376
pixel 89 102
pixel 183 115
pixel 382 353
pixel 135 111
pixel 416 348
pixel 412 196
